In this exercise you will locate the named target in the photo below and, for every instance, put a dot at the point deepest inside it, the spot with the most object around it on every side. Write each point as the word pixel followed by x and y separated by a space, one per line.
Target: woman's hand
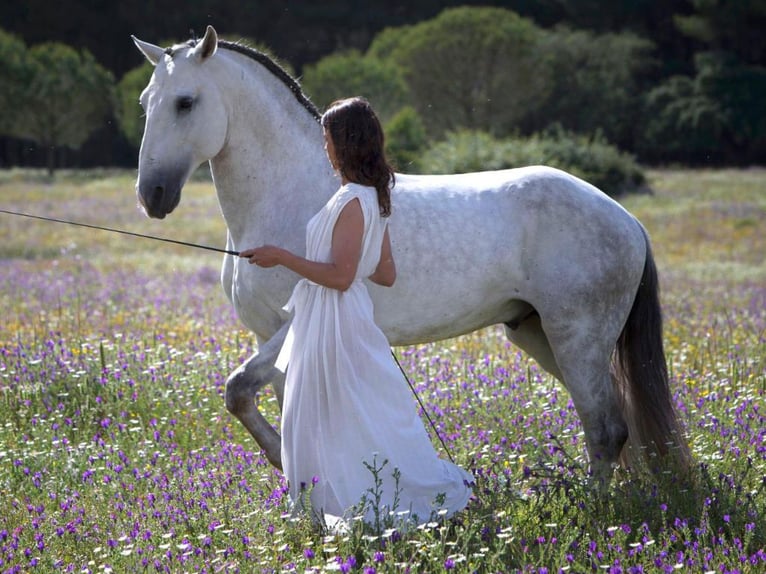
pixel 346 248
pixel 264 256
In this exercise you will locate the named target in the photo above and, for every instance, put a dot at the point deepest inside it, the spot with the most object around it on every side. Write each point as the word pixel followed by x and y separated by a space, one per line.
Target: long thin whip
pixel 229 252
pixel 122 231
pixel 423 407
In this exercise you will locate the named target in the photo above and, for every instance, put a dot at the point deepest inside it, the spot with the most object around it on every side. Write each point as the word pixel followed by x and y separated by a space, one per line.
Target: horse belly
pixel 457 268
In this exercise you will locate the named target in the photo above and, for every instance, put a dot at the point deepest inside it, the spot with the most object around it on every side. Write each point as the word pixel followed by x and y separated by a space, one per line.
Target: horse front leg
pixel 242 386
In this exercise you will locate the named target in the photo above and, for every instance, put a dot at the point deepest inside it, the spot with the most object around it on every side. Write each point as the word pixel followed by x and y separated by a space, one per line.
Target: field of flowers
pixel 118 455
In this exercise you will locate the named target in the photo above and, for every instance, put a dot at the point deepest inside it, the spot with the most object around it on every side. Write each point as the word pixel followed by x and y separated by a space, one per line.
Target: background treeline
pixel 665 81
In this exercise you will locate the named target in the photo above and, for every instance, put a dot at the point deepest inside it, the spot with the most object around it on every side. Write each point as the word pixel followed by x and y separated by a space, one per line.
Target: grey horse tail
pixel 641 375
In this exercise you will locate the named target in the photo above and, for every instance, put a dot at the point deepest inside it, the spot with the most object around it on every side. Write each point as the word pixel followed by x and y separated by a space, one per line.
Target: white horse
pixel 566 269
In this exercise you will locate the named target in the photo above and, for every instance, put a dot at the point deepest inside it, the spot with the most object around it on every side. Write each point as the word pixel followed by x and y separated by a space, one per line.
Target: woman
pixel 350 430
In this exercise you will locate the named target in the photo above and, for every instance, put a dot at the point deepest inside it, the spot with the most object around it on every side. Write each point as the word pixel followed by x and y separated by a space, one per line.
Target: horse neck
pixel 272 173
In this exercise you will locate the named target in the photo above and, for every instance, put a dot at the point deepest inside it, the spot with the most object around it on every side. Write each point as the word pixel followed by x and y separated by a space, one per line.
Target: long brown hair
pixel 358 139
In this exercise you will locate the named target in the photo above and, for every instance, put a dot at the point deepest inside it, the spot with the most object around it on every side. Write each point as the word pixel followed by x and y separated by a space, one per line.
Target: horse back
pixel 469 246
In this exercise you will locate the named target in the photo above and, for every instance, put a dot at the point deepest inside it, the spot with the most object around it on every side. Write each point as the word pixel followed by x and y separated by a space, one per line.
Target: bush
pixel 592 159
pixel 405 140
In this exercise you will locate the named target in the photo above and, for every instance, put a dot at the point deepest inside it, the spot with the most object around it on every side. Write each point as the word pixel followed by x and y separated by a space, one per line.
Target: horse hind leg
pixel 584 358
pixel 584 369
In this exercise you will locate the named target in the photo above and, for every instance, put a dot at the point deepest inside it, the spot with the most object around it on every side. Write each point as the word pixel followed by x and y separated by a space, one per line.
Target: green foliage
pixel 717 115
pixel 682 123
pixel 405 139
pixel 596 83
pixel 14 70
pixel 353 74
pixel 67 98
pixel 473 68
pixel 591 159
pixel 739 90
pixel 130 115
pixel 734 27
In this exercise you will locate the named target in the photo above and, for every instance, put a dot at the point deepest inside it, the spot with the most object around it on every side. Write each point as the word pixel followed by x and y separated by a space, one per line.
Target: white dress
pixel 346 402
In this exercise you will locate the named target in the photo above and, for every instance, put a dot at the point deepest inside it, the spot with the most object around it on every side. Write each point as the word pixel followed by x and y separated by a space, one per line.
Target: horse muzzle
pixel 159 196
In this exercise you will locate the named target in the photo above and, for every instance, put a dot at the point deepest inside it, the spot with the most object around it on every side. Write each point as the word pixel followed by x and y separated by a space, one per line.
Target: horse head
pixel 186 121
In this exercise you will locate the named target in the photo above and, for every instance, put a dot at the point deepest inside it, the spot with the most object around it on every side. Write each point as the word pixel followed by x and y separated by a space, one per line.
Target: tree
pixel 352 74
pixel 714 117
pixel 735 27
pixel 130 115
pixel 682 124
pixel 14 72
pixel 475 68
pixel 596 84
pixel 67 98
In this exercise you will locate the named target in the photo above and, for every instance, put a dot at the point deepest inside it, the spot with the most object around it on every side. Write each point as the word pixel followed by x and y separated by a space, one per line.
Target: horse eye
pixel 184 104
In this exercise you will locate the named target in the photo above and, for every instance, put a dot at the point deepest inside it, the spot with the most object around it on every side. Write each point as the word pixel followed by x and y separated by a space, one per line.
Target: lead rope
pixel 423 407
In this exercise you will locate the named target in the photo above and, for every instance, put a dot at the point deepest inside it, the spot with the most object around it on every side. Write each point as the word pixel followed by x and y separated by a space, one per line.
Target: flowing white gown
pixel 346 403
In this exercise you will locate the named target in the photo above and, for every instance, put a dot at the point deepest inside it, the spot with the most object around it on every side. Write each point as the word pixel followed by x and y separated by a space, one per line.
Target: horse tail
pixel 641 375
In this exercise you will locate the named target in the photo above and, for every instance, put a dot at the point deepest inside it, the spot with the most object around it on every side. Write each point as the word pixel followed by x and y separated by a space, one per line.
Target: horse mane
pixel 272 66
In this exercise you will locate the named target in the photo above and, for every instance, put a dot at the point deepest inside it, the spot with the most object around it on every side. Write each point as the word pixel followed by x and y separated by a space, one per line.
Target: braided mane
pixel 267 62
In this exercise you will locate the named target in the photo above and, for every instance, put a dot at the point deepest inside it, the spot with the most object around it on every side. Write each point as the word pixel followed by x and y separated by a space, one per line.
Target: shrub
pixel 592 159
pixel 406 139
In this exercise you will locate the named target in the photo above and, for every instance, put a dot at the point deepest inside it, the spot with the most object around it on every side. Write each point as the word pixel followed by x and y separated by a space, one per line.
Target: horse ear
pixel 153 53
pixel 208 45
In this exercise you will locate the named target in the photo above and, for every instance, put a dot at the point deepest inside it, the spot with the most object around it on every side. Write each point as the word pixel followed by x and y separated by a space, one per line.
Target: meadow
pixel 118 455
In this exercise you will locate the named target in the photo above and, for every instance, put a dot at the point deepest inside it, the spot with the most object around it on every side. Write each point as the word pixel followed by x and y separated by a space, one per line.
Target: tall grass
pixel 117 454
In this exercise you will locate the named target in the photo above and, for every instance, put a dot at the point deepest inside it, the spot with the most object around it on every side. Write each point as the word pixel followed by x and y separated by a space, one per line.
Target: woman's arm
pixel 385 272
pixel 346 250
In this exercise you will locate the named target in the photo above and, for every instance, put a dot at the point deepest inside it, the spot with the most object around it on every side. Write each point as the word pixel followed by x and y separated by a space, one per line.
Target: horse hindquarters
pixel 641 377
